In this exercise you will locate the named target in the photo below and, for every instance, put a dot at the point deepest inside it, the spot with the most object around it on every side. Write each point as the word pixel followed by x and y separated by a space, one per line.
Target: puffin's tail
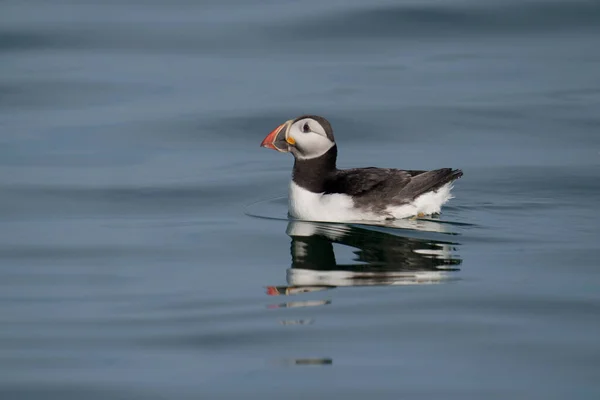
pixel 429 181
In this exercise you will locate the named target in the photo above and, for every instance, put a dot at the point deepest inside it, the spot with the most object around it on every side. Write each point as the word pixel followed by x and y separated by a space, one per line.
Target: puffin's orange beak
pixel 277 139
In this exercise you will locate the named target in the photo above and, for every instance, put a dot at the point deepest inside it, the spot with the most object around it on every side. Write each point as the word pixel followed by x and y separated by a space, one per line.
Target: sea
pixel 145 246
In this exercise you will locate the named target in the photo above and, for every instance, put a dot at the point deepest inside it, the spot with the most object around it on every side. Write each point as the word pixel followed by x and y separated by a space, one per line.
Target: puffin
pixel 319 191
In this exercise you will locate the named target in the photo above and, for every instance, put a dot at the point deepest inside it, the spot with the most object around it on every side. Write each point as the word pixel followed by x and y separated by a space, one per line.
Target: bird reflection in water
pixel 383 257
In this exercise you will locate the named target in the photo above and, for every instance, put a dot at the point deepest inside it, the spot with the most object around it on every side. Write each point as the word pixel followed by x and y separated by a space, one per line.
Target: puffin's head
pixel 308 136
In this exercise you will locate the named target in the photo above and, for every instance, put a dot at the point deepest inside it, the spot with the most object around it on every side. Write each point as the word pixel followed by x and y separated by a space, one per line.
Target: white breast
pixel 338 207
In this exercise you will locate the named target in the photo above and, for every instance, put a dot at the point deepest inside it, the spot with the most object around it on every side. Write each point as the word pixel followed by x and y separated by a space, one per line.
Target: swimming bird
pixel 319 191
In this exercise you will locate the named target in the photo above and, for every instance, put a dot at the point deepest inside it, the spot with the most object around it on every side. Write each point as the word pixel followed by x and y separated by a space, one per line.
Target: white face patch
pixel 310 138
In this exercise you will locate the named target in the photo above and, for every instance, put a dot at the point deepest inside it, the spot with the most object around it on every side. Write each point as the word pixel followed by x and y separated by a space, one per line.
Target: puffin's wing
pixel 427 181
pixel 399 186
pixel 355 182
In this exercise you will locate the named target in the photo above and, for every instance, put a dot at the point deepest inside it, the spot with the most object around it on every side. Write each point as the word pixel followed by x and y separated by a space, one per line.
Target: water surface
pixel 144 245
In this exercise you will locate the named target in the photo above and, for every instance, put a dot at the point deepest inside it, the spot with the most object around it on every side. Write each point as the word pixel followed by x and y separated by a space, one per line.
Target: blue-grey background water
pixel 144 247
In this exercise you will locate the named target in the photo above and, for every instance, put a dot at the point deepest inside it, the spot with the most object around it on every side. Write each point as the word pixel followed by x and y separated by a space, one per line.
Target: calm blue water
pixel 144 246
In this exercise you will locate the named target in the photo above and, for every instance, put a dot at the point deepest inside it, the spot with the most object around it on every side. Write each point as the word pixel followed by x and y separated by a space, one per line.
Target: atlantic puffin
pixel 319 191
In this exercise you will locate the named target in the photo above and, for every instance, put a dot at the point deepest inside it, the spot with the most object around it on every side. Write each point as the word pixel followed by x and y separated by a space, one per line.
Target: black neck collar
pixel 312 174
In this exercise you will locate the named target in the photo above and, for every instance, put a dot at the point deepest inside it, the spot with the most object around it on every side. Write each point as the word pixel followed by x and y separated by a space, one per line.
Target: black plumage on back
pixel 372 188
pixel 377 188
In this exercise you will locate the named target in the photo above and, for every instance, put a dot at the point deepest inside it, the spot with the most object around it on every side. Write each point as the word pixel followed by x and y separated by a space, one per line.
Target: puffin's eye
pixel 305 128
